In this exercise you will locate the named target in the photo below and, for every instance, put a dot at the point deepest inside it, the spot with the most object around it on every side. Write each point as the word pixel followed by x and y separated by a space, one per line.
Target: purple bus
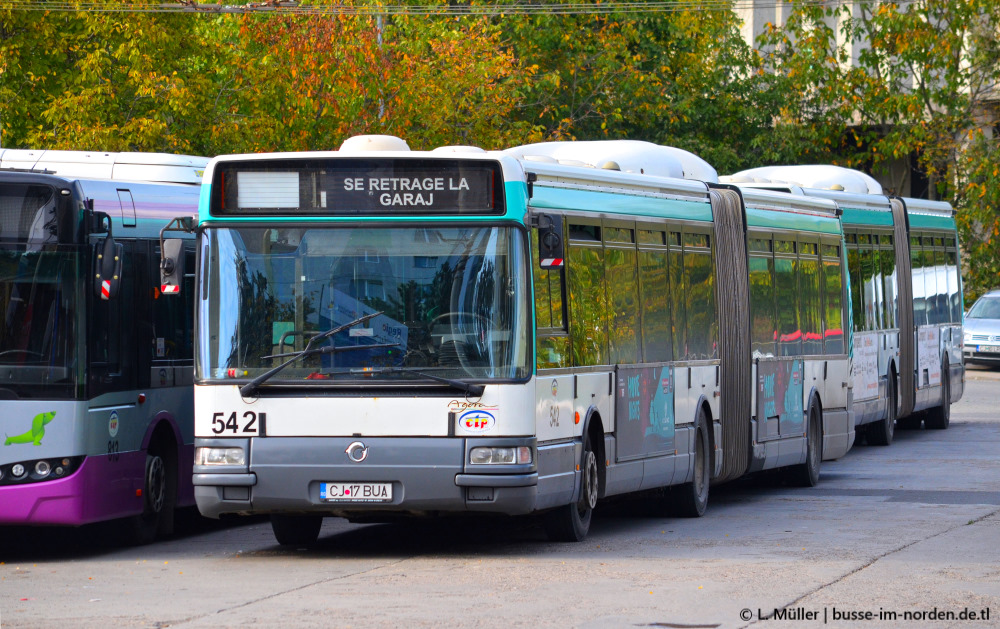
pixel 96 369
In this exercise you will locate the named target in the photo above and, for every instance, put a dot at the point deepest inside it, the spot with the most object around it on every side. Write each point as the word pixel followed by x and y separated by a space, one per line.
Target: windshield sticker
pixel 33 436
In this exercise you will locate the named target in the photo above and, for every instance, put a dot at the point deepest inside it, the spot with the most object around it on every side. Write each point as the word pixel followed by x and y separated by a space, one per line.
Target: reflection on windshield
pixel 985 309
pixel 39 295
pixel 452 302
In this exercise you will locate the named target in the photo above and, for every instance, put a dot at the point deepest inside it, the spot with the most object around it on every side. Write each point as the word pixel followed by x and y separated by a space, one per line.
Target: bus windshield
pixel 452 302
pixel 41 296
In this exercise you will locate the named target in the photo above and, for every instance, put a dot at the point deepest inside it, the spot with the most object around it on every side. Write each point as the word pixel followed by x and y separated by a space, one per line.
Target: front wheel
pixel 571 523
pixel 807 474
pixel 296 530
pixel 157 502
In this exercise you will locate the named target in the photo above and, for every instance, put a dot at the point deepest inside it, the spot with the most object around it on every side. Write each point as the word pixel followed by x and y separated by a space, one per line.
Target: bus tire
pixel 691 499
pixel 571 523
pixel 807 474
pixel 296 530
pixel 881 433
pixel 939 417
pixel 157 501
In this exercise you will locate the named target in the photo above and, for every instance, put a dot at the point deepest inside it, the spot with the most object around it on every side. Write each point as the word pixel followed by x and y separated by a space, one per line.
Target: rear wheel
pixel 296 530
pixel 881 433
pixel 571 523
pixel 691 499
pixel 939 417
pixel 807 474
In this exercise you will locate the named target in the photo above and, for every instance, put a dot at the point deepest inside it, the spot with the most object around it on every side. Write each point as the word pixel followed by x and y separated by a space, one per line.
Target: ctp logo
pixel 113 424
pixel 357 452
pixel 477 421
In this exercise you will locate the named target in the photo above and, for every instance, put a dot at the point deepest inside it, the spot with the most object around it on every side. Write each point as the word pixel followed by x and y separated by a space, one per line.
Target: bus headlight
pixel 967 337
pixel 520 455
pixel 39 470
pixel 219 456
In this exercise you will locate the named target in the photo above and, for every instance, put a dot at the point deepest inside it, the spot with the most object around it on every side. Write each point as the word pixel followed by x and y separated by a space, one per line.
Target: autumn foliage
pixel 866 85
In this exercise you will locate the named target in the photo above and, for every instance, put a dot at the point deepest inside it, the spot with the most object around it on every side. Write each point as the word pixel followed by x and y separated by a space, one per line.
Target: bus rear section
pixel 906 296
pixel 96 402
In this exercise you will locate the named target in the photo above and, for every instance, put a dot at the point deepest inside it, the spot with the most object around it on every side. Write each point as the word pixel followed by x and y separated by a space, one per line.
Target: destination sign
pixel 357 187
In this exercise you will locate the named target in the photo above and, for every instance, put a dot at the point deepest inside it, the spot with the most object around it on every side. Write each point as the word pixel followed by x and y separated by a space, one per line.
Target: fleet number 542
pixel 247 424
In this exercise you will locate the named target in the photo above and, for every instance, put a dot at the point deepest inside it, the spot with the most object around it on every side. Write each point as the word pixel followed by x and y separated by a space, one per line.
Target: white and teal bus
pixel 383 331
pixel 906 292
pixel 96 371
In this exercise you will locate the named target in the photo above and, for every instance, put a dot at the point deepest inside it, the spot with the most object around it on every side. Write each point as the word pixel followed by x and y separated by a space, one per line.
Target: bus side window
pixel 763 325
pixel 833 288
pixel 954 292
pixel 787 292
pixel 654 292
pixel 620 268
pixel 810 299
pixel 918 269
pixel 701 323
pixel 588 295
pixel 854 269
pixel 887 260
pixel 550 315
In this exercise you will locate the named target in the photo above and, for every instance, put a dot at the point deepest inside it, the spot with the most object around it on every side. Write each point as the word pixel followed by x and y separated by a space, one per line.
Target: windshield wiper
pixel 475 390
pixel 249 388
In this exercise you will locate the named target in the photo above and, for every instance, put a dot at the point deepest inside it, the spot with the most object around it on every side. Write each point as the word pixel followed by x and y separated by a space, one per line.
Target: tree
pixel 102 81
pixel 921 83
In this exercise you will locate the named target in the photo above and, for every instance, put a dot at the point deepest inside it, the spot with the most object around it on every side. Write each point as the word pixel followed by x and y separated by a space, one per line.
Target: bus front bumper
pixel 427 475
pixel 101 489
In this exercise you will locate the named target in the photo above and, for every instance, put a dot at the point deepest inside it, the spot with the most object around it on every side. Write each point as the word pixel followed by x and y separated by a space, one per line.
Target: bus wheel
pixel 570 523
pixel 939 417
pixel 690 499
pixel 156 501
pixel 807 474
pixel 881 433
pixel 296 530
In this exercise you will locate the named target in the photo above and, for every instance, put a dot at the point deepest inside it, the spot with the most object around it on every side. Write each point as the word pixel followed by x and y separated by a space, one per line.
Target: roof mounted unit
pixel 365 143
pixel 820 176
pixel 630 156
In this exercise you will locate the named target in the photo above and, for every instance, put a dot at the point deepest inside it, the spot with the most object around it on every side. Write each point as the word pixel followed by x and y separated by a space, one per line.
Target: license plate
pixel 355 492
pixel 988 349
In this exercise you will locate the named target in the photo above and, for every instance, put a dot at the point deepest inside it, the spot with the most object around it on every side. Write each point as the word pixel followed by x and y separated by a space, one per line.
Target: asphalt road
pixel 901 536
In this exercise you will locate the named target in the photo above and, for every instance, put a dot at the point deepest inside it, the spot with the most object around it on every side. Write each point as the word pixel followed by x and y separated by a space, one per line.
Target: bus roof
pixel 138 167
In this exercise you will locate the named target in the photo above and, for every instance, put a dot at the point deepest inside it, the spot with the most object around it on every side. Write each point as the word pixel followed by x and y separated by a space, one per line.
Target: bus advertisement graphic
pixel 865 366
pixel 644 410
pixel 33 436
pixel 780 393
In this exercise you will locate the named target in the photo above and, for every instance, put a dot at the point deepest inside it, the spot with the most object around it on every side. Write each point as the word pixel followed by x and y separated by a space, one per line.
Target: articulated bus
pixel 385 332
pixel 906 295
pixel 96 371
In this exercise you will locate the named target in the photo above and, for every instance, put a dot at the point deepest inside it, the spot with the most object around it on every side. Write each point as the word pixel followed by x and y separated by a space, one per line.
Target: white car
pixel 982 330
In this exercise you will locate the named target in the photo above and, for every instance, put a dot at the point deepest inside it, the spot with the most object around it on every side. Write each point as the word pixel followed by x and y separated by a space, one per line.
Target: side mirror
pixel 550 241
pixel 171 266
pixel 108 267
